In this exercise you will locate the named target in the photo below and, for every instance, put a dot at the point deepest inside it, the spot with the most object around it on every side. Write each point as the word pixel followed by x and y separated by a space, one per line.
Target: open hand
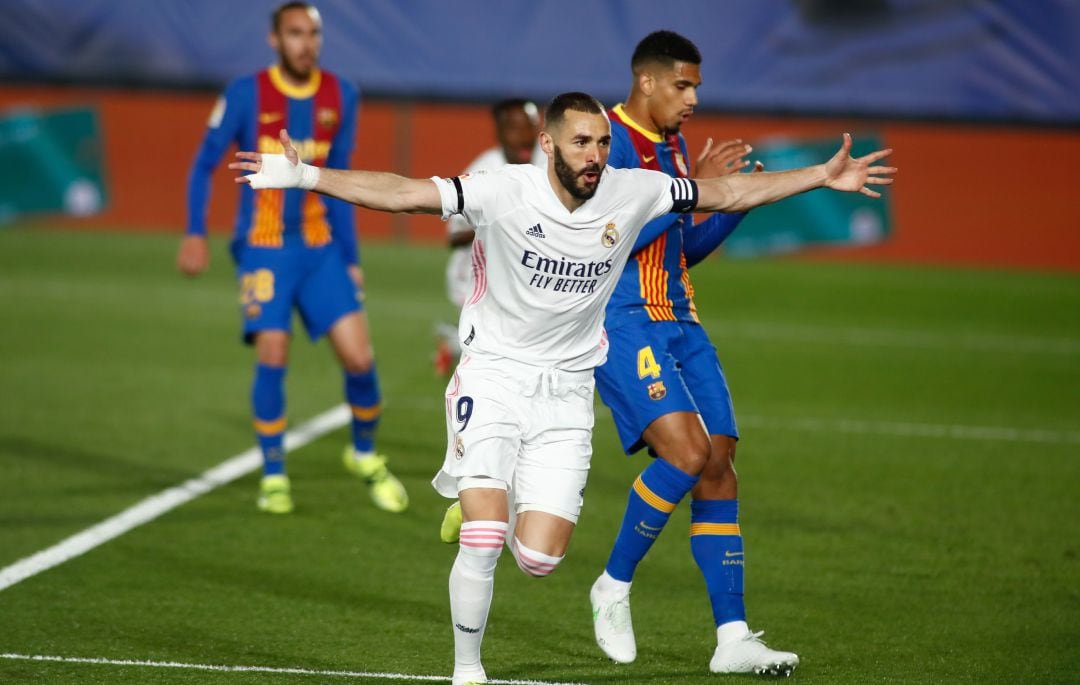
pixel 271 171
pixel 853 174
pixel 721 160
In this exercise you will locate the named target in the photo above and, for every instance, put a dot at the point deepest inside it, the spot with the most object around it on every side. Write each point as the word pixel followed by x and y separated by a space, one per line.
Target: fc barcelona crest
pixel 610 236
pixel 657 391
pixel 680 164
pixel 327 117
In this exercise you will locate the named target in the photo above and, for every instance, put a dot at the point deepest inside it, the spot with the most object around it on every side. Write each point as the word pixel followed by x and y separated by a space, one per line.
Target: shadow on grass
pixel 37 453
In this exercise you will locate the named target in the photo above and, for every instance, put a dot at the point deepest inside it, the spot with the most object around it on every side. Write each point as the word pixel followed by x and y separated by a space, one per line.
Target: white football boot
pixel 611 619
pixel 748 654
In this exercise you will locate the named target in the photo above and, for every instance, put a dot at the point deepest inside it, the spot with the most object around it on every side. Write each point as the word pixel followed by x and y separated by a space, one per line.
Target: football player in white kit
pixel 517 125
pixel 549 247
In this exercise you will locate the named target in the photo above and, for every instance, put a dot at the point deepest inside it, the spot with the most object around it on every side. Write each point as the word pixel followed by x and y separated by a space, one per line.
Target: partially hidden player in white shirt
pixel 517 126
pixel 550 246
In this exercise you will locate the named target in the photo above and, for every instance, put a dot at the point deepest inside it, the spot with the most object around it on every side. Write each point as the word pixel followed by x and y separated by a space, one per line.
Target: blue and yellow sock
pixel 362 394
pixel 268 407
pixel 653 497
pixel 717 546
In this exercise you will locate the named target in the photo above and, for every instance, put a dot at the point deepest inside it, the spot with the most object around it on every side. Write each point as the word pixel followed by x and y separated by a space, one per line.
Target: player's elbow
pixel 717 195
pixel 408 198
pixel 202 168
pixel 734 202
pixel 739 203
pixel 410 202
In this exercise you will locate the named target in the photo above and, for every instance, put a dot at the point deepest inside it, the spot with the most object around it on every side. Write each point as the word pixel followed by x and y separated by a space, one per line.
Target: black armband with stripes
pixel 684 195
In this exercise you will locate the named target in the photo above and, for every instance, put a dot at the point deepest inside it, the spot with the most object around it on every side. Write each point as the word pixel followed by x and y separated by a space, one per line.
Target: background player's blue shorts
pixel 657 368
pixel 274 280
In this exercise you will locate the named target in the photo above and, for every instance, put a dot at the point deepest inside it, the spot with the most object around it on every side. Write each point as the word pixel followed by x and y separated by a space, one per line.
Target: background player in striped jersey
pixel 294 248
pixel 519 408
pixel 662 378
pixel 517 125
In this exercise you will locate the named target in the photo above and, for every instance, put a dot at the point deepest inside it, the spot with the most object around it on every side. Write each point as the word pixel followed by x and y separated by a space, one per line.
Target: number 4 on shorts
pixel 646 363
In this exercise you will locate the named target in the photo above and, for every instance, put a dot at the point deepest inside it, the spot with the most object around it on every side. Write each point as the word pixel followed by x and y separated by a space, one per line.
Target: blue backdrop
pixel 965 59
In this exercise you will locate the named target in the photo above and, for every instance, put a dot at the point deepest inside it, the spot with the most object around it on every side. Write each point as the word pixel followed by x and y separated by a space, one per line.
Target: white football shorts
pixel 525 426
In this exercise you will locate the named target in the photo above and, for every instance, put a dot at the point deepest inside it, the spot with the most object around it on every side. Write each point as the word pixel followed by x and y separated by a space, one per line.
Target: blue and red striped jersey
pixel 321 119
pixel 655 285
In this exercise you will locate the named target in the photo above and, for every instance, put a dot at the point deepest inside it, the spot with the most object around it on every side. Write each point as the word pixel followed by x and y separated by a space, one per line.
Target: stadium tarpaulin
pixel 962 59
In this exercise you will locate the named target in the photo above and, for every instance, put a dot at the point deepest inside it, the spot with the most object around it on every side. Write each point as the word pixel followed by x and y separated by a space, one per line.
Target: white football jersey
pixel 543 274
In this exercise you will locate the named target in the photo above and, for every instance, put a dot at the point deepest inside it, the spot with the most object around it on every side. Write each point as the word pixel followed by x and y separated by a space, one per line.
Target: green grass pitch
pixel 909 472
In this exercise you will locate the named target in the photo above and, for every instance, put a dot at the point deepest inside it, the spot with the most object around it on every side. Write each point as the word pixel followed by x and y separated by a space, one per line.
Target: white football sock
pixel 731 631
pixel 608 585
pixel 532 562
pixel 472 581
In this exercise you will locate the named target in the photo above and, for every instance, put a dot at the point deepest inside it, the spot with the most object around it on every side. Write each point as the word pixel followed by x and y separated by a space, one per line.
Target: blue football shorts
pixel 313 280
pixel 657 368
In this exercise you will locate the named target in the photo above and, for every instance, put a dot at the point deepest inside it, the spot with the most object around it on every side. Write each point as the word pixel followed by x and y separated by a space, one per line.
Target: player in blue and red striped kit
pixel 293 248
pixel 662 378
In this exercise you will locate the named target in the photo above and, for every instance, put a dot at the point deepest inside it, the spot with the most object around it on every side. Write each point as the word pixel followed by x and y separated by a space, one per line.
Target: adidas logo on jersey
pixel 535 231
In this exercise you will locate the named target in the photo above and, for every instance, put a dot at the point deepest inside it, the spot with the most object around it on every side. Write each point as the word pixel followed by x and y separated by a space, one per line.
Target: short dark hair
pixel 275 18
pixel 503 106
pixel 576 102
pixel 665 47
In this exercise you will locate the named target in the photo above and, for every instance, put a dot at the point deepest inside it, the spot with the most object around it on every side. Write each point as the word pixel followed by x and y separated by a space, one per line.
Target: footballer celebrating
pixel 551 244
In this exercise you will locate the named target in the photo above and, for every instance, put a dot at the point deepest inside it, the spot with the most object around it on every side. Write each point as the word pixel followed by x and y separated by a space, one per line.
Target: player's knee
pixel 272 348
pixel 722 458
pixel 718 480
pixel 532 562
pixel 691 454
pixel 358 361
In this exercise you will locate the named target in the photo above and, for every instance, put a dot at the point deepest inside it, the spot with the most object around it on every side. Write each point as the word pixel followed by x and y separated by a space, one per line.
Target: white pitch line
pixel 262 669
pixel 918 430
pixel 166 500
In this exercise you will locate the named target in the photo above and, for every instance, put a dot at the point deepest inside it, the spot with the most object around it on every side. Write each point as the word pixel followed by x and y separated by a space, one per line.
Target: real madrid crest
pixel 657 391
pixel 610 235
pixel 680 164
pixel 459 447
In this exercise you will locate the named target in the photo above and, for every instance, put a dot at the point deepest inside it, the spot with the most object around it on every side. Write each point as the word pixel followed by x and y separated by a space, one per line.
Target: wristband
pixel 309 176
pixel 278 172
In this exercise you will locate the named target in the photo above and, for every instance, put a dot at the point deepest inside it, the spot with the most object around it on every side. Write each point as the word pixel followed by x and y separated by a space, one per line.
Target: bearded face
pixel 581 183
pixel 298 42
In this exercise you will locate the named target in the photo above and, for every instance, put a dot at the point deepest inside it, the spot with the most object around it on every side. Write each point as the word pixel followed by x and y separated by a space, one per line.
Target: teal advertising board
pixel 50 161
pixel 820 217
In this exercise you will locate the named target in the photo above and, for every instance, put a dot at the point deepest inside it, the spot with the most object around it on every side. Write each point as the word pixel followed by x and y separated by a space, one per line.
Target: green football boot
pixel 274 495
pixel 387 492
pixel 450 530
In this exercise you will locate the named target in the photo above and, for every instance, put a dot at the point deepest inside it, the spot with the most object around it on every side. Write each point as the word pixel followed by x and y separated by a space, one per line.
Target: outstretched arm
pixel 382 191
pixel 741 192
